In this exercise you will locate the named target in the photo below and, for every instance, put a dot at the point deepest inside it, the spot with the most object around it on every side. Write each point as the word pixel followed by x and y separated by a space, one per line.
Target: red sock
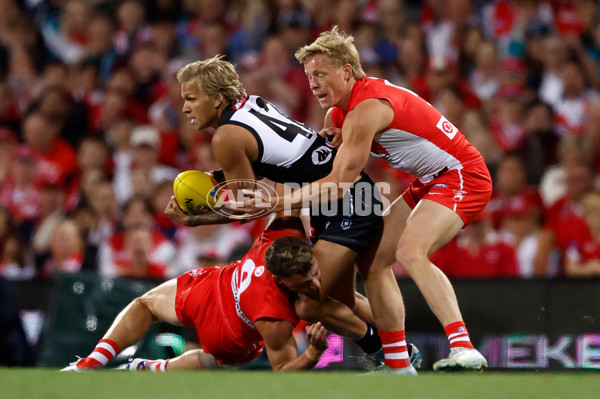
pixel 101 355
pixel 458 335
pixel 394 349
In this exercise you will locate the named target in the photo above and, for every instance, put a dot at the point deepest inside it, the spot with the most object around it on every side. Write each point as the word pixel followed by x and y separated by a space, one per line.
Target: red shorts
pixel 465 191
pixel 197 305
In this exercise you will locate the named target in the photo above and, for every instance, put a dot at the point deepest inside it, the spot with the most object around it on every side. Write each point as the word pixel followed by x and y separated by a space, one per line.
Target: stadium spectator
pixel 8 142
pixel 160 196
pixel 19 193
pixel 132 27
pixel 477 252
pixel 15 264
pixel 511 192
pixel 577 150
pixel 145 142
pixel 412 61
pixel 216 241
pixel 554 54
pixel 476 129
pixel 138 250
pixel 66 35
pixel 507 117
pixel 483 79
pixel 51 213
pixel 105 208
pixel 57 158
pixel 583 251
pixel 572 107
pixel 564 218
pixel 94 163
pixel 10 116
pixel 66 248
pixel 539 147
pixel 277 78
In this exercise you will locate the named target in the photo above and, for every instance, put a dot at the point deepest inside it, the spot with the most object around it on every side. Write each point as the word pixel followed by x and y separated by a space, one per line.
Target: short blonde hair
pixel 216 77
pixel 338 46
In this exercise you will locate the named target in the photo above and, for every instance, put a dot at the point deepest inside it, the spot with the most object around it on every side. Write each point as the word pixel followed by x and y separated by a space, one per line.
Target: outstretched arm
pixel 359 129
pixel 281 345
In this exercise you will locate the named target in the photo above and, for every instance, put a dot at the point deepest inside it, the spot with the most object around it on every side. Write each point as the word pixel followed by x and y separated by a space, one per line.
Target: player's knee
pixel 145 301
pixel 410 254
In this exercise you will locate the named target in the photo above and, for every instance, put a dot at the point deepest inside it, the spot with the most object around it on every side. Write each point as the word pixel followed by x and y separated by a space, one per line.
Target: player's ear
pixel 218 101
pixel 347 71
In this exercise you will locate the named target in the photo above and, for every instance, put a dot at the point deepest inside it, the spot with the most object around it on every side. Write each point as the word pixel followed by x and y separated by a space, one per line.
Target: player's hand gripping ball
pixel 195 192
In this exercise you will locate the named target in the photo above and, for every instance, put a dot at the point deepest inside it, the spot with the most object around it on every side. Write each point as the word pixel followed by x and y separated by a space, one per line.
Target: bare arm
pixel 174 212
pixel 360 126
pixel 281 345
pixel 234 148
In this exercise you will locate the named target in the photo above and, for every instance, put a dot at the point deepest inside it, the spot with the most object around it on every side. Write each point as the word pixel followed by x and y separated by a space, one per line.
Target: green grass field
pixel 49 383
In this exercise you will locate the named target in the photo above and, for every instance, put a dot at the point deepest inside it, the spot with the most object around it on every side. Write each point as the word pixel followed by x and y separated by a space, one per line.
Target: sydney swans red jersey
pixel 223 303
pixel 420 140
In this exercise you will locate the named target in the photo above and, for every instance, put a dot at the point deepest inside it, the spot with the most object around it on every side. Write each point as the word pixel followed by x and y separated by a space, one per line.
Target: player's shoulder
pixel 231 136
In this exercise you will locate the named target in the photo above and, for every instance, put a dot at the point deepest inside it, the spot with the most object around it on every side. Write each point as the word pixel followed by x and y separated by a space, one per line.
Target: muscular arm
pixel 234 149
pixel 360 126
pixel 281 346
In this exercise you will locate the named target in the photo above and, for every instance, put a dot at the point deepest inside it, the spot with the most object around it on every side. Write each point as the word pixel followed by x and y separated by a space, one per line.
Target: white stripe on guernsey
pixel 456 335
pixel 99 357
pixel 459 339
pixel 401 343
pixel 108 347
pixel 153 366
pixel 393 356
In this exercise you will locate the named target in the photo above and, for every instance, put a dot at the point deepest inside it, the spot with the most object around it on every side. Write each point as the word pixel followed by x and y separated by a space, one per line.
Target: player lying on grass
pixel 236 310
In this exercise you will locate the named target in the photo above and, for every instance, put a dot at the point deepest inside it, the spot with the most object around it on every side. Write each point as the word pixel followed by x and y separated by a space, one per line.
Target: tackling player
pixel 452 185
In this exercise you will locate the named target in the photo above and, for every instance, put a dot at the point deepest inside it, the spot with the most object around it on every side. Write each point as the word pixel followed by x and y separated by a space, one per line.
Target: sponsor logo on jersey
pixel 459 195
pixel 346 224
pixel 440 185
pixel 259 271
pixel 321 155
pixel 447 128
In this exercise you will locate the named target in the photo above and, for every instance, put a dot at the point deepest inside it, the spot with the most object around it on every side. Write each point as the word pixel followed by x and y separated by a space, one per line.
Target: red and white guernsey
pixel 419 141
pixel 224 303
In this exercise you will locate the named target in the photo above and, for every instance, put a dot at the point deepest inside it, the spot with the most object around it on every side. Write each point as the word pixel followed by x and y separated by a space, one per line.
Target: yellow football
pixel 195 191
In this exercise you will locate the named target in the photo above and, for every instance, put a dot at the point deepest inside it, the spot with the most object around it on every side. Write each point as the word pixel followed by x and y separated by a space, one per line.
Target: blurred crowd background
pixel 92 133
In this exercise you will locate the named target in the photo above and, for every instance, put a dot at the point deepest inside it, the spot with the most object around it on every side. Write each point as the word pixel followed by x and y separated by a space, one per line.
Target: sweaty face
pixel 330 84
pixel 197 106
pixel 308 284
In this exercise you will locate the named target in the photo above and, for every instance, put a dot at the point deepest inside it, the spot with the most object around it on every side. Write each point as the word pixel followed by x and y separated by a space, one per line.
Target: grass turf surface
pixel 49 383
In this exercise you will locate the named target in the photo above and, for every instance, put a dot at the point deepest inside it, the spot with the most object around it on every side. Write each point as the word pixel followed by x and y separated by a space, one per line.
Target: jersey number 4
pixel 287 130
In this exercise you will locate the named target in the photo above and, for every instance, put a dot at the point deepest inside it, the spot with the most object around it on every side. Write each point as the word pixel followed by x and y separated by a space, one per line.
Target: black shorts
pixel 352 221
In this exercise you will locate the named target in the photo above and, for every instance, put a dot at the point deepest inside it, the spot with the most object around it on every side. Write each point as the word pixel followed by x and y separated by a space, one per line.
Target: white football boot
pixel 461 359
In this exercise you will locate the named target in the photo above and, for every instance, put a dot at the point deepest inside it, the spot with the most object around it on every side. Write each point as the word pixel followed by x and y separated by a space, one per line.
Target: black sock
pixel 370 342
